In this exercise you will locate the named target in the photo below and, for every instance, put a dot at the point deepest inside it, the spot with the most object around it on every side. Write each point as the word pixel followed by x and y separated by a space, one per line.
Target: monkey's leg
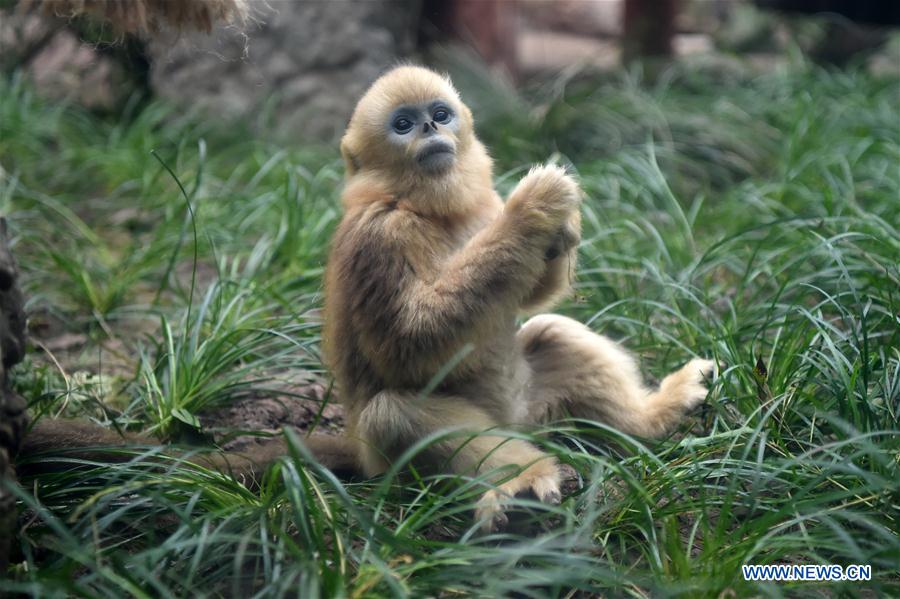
pixel 393 421
pixel 577 372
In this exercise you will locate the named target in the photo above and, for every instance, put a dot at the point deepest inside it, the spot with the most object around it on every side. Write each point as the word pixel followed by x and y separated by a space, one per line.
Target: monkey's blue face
pixel 427 133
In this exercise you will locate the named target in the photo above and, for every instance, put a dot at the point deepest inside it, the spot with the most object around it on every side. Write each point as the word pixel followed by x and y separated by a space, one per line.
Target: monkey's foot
pixel 689 383
pixel 540 480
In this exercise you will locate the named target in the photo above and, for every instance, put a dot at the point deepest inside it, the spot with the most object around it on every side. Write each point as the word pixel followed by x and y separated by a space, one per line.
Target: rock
pixel 59 64
pixel 575 16
pixel 550 51
pixel 306 61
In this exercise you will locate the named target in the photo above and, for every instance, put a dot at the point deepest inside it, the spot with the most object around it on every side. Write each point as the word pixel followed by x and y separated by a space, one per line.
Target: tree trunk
pixel 649 26
pixel 13 418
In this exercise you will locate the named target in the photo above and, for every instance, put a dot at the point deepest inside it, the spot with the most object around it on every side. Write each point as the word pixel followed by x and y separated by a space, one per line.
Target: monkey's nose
pixel 427 125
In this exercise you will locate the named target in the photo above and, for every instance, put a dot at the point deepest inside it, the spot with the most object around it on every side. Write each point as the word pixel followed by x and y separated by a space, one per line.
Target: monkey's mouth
pixel 436 158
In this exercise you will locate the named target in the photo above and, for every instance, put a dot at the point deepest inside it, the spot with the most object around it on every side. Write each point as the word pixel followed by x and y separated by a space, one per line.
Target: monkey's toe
pixel 696 374
pixel 552 498
pixel 545 488
pixel 499 522
pixel 490 513
pixel 711 368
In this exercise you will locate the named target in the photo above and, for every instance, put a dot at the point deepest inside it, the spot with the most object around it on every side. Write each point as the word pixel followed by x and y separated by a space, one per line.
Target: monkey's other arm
pixel 65 438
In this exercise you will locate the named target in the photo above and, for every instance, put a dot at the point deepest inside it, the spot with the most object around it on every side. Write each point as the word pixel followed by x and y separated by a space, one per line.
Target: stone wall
pixel 310 60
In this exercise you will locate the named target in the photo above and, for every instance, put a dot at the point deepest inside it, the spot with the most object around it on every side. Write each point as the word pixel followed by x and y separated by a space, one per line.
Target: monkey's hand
pixel 544 211
pixel 560 261
pixel 541 208
pixel 568 237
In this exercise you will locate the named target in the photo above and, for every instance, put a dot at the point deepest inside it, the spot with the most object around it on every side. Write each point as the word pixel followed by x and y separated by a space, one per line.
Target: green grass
pixel 751 217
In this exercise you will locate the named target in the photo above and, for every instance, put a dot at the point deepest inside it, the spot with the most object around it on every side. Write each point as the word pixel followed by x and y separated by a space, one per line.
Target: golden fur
pixel 147 17
pixel 423 266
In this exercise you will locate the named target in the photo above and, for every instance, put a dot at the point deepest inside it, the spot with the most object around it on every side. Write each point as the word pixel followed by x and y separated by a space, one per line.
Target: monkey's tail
pixel 85 440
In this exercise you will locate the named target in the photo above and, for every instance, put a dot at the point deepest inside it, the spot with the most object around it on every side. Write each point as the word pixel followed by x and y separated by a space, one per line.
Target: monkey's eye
pixel 402 125
pixel 441 115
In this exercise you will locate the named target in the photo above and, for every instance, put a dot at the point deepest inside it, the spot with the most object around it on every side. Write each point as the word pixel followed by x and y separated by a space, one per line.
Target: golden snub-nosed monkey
pixel 428 260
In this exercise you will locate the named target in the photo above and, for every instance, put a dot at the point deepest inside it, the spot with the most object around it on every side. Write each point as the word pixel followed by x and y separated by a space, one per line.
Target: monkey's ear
pixel 351 162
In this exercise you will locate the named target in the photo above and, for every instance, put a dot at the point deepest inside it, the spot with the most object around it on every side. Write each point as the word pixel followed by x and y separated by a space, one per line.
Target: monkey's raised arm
pixel 403 316
pixel 484 282
pixel 502 268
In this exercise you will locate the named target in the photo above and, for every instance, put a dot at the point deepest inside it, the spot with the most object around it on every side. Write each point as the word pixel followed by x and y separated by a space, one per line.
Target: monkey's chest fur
pixel 372 340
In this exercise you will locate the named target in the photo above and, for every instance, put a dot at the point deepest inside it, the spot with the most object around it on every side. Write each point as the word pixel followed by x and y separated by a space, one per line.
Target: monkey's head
pixel 410 122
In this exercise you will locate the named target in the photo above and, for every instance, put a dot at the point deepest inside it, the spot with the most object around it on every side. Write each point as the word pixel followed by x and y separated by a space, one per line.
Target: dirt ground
pixel 272 414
